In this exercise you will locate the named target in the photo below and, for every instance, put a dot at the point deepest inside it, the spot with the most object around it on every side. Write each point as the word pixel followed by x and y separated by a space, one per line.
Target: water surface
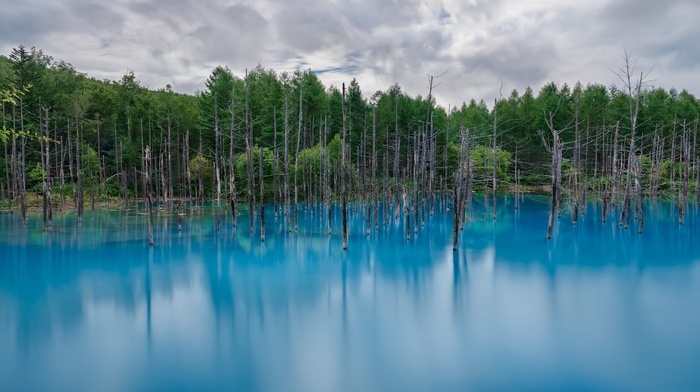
pixel 93 308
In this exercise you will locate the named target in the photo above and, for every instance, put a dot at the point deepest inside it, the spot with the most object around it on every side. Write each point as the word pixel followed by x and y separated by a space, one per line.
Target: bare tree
pixel 556 151
pixel 343 169
pixel 149 202
pixel 232 174
pixel 634 88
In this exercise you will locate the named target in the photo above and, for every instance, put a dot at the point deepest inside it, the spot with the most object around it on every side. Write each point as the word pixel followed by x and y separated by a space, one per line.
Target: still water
pixel 93 308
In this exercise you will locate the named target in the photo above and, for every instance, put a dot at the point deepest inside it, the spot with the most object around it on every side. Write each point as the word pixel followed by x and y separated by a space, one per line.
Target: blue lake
pixel 597 308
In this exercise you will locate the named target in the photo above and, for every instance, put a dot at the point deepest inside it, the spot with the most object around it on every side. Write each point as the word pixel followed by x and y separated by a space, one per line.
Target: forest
pixel 285 138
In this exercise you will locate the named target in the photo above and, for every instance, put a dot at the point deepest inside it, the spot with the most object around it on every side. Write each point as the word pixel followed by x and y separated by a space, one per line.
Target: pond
pixel 94 308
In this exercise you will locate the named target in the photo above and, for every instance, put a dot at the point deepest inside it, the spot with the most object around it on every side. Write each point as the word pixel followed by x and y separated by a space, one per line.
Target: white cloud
pixel 481 43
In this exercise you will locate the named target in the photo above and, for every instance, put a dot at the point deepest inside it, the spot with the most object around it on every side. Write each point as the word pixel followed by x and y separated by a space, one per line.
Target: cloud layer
pixel 483 44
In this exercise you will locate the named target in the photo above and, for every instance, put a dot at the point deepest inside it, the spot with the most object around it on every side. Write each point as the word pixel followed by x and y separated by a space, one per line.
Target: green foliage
pixel 482 162
pixel 201 167
pixel 124 116
pixel 10 96
pixel 310 159
pixel 36 176
pixel 241 168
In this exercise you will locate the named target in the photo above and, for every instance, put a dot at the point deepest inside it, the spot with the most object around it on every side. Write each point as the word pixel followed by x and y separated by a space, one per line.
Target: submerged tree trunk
pixel 455 212
pixel 375 187
pixel 7 169
pixel 232 174
pixel 556 151
pixel 262 196
pixel 577 164
pixel 634 98
pixel 44 168
pixel 287 208
pixel 639 207
pixel 328 185
pixel 495 105
pixel 249 156
pixel 22 165
pixel 608 173
pixel 406 208
pixel 556 170
pixel 517 181
pixel 296 166
pixel 217 171
pixel 343 192
pixel 77 164
pixel 396 154
pixel 275 157
pixel 416 143
pixel 149 201
pixel 125 184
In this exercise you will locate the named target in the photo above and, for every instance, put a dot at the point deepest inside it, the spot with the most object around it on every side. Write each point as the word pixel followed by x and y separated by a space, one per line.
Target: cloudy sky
pixel 480 43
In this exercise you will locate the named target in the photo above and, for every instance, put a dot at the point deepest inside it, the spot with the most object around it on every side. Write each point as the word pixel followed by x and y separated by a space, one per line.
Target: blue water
pixel 597 308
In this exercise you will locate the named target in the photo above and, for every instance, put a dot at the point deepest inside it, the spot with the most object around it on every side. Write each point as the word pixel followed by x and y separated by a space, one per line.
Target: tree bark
pixel 343 193
pixel 149 201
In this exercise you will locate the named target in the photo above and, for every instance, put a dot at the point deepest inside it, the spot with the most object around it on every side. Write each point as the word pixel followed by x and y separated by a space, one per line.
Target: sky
pixel 483 49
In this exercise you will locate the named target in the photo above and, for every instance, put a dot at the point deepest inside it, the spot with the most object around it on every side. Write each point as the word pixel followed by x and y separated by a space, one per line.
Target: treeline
pixel 278 136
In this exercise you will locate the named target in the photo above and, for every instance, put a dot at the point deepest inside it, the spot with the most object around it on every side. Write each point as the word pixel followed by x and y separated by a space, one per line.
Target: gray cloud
pixel 25 22
pixel 481 43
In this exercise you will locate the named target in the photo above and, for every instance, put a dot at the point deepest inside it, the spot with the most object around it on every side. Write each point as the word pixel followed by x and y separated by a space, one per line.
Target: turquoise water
pixel 597 308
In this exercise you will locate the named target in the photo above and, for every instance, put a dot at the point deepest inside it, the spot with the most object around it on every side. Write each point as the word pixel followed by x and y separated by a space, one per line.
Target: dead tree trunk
pixel 556 151
pixel 432 139
pixel 584 187
pixel 363 193
pixel 232 171
pixel 517 184
pixel 697 163
pixel 577 164
pixel 673 163
pixel 397 209
pixel 615 167
pixel 125 182
pixel 634 95
pixel 396 154
pixel 149 201
pixel 169 179
pixel 455 212
pixel 44 166
pixel 695 154
pixel 343 169
pixel 287 208
pixel 70 164
pixel 217 171
pixel 296 165
pixel 493 188
pixel 22 165
pixel 77 165
pixel 639 207
pixel 375 187
pixel 275 154
pixel 406 207
pixel 7 169
pixel 328 182
pixel 14 160
pixel 607 172
pixel 262 195
pixel 186 170
pixel 416 205
pixel 556 170
pixel 686 166
pixel 466 199
pixel 387 189
pixel 249 158
pixel 425 186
